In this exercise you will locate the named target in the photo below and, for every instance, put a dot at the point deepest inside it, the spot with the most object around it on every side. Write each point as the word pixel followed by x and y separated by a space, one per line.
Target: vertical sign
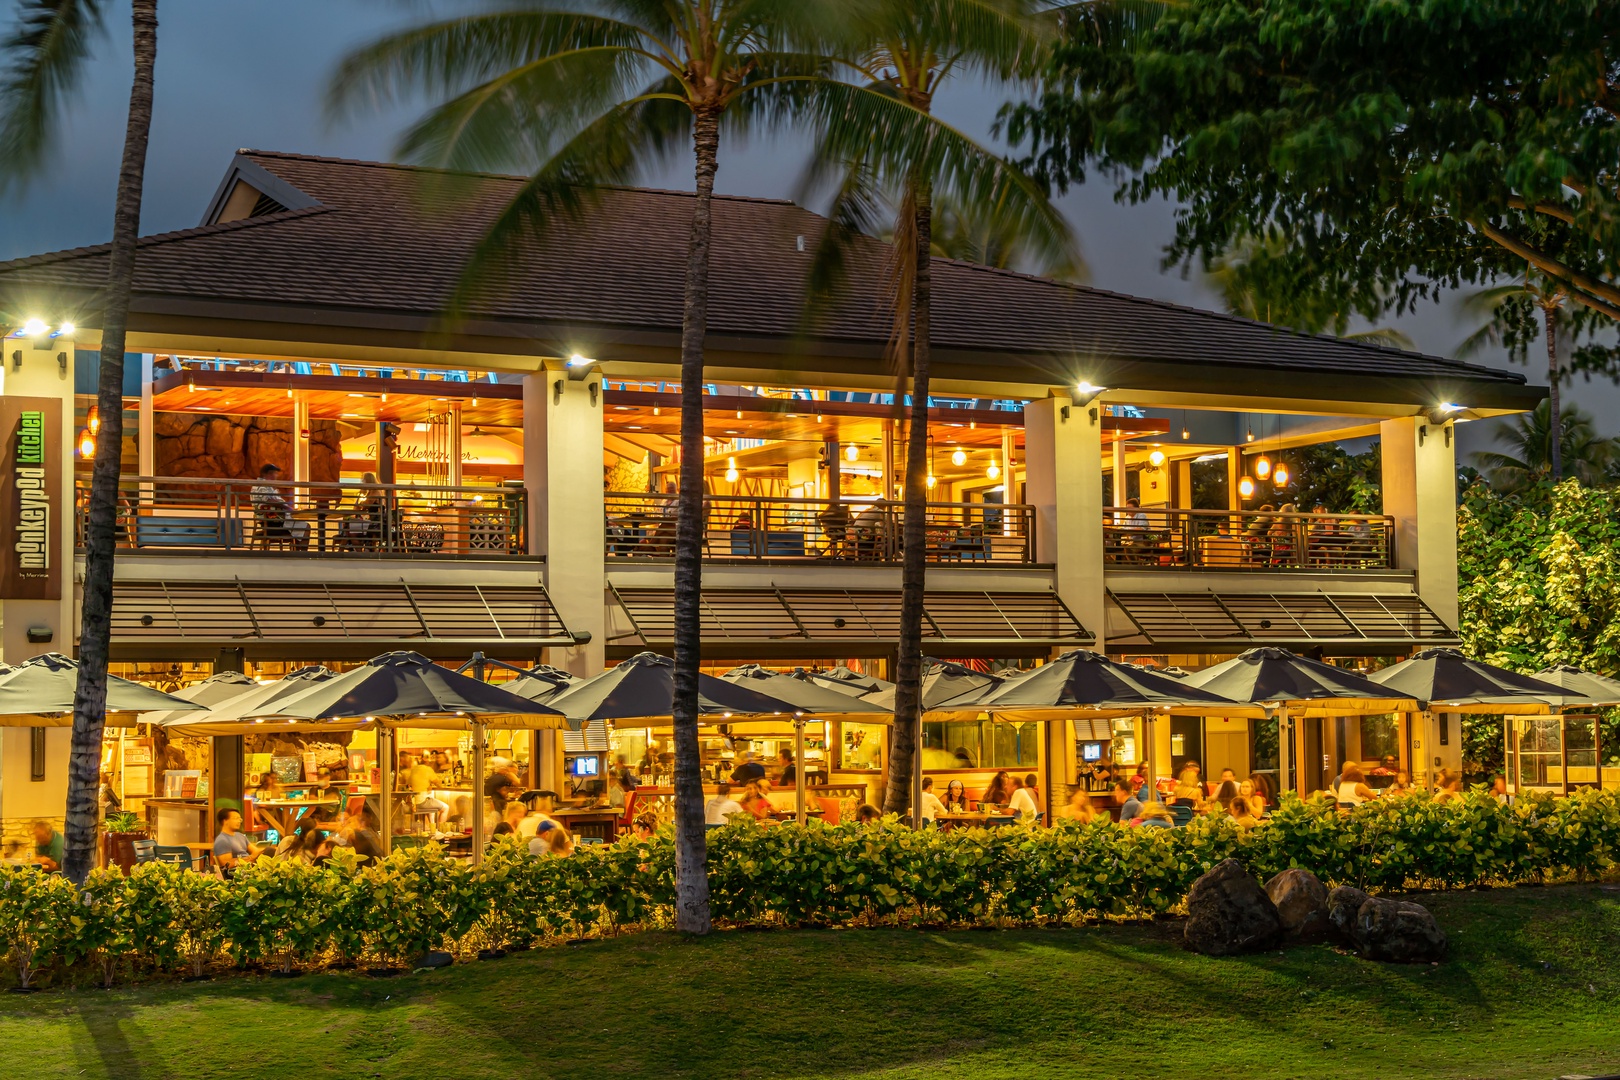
pixel 31 509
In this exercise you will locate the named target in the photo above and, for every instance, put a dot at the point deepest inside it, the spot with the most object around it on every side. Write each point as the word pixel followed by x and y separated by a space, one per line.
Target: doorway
pixel 1186 742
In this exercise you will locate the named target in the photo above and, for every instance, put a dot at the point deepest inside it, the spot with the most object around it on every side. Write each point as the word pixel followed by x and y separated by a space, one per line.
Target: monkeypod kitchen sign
pixel 31 510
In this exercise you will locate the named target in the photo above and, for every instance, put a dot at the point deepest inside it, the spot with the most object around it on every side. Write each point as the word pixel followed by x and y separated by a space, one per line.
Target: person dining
pixel 1080 807
pixel 747 770
pixel 1260 794
pixel 1125 795
pixel 1023 801
pixel 231 846
pixel 867 814
pixel 362 833
pixel 1188 788
pixel 1450 787
pixel 1240 812
pixel 999 792
pixel 1401 786
pixel 47 847
pixel 955 801
pixel 931 806
pixel 1154 815
pixel 755 802
pixel 1352 789
pixel 717 809
pixel 789 772
pixel 1226 793
pixel 272 510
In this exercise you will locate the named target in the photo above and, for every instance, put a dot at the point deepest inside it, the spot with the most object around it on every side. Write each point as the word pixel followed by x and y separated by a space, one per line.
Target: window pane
pixel 862 747
pixel 1380 738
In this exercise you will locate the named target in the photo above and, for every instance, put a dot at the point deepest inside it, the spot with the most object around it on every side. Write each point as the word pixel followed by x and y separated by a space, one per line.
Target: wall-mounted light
pixel 1156 458
pixel 1085 393
pixel 1246 487
pixel 580 366
pixel 34 328
pixel 1443 412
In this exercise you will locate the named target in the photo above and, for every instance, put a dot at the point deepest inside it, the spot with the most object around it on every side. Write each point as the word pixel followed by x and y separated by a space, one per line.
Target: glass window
pixel 1380 738
pixel 981 744
pixel 861 747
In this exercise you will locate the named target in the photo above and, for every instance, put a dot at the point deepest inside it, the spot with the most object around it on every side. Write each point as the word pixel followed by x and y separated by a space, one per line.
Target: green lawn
pixel 1532 990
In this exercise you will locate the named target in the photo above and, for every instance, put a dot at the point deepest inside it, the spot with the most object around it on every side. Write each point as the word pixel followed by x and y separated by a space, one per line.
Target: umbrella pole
pixel 385 781
pixel 1285 753
pixel 798 768
pixel 917 772
pixel 478 792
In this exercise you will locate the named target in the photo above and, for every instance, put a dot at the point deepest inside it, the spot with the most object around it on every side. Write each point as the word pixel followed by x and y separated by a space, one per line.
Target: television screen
pixel 1091 751
pixel 584 766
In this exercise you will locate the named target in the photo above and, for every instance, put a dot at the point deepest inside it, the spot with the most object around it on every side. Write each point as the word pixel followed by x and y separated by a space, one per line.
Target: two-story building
pixel 1105 471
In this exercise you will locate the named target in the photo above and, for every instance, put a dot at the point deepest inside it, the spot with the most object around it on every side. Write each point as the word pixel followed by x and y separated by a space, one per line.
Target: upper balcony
pixel 1237 540
pixel 641 526
pixel 194 515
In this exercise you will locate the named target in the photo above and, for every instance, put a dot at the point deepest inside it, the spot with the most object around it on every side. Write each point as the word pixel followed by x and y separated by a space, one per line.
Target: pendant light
pixel 1279 475
pixel 731 470
pixel 852 452
pixel 958 457
pixel 1246 487
pixel 994 471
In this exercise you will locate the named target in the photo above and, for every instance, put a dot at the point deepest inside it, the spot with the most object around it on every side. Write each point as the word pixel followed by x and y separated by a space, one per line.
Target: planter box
pixel 118 849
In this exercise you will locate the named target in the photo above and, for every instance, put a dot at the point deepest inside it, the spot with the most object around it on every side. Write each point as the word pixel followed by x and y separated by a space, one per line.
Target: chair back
pixel 179 856
pixel 829 810
pixel 1181 813
pixel 145 850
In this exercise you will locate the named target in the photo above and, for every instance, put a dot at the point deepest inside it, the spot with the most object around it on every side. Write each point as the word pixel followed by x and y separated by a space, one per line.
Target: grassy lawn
pixel 1532 990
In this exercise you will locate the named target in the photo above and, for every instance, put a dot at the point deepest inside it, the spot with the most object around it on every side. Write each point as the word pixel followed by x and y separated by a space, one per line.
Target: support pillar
pixel 300 441
pixel 1420 493
pixel 1063 463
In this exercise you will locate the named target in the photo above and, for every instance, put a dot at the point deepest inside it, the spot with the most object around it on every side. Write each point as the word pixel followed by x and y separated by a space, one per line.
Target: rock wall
pixel 237 447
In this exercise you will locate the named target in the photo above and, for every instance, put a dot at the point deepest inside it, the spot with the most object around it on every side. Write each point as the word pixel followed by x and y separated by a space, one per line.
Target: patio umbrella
pixel 843 679
pixel 944 682
pixel 810 696
pixel 1084 680
pixel 1444 680
pixel 1298 685
pixel 540 683
pixel 1579 687
pixel 642 688
pixel 206 694
pixel 406 689
pixel 39 693
pixel 252 711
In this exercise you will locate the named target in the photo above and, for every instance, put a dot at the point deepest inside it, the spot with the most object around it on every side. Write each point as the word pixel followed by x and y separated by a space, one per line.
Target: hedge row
pixel 289 916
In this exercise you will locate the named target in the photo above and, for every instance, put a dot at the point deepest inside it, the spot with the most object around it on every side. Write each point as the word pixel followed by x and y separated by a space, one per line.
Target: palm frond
pixel 1384 335
pixel 44 58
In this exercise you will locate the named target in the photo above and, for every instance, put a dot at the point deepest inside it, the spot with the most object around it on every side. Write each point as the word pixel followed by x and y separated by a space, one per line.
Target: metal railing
pixel 1246 540
pixel 642 525
pixel 175 513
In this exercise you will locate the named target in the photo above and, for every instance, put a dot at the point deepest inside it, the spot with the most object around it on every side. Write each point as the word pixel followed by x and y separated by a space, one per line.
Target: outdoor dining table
pixel 970 818
pixel 605 816
pixel 202 854
pixel 284 813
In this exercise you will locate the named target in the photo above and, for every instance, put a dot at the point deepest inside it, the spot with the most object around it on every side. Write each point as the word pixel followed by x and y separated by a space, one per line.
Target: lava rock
pixel 435 959
pixel 1229 913
pixel 1398 932
pixel 1302 903
pixel 1343 904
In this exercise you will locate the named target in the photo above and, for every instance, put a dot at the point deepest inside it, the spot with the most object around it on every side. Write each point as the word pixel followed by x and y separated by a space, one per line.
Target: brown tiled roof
pixel 380 245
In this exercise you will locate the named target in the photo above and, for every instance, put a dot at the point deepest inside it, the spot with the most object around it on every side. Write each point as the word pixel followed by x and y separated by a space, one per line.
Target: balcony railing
pixel 642 525
pixel 1246 540
pixel 198 514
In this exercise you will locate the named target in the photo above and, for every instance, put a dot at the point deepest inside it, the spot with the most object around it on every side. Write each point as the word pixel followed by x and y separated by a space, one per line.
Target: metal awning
pixel 1218 622
pixel 809 623
pixel 281 620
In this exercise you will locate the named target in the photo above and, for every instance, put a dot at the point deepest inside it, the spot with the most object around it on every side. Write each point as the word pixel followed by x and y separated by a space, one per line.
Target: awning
pixel 1358 623
pixel 749 623
pixel 291 620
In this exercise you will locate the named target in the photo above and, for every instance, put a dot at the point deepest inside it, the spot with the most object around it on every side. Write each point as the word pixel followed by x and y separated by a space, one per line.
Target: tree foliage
pixel 1526 457
pixel 1404 147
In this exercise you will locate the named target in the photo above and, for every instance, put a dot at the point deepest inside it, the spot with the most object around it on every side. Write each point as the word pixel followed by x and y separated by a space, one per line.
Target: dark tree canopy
pixel 1402 147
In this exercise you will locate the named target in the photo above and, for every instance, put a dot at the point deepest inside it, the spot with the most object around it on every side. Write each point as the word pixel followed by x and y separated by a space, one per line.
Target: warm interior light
pixel 958 458
pixel 1249 437
pixel 930 483
pixel 852 452
pixel 92 419
pixel 731 470
pixel 1262 466
pixel 993 471
pixel 1186 433
pixel 1156 458
pixel 1245 487
pixel 87 444
pixel 1279 475
pixel 35 328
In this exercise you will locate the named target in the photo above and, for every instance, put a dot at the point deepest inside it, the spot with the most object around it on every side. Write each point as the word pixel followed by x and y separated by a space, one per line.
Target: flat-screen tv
pixel 1091 751
pixel 589 765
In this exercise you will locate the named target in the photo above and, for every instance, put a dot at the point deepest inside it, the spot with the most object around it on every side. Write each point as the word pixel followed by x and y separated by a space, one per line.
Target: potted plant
pixel 120 831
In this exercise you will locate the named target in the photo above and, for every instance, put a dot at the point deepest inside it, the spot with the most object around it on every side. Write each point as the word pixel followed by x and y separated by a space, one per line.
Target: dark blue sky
pixel 251 73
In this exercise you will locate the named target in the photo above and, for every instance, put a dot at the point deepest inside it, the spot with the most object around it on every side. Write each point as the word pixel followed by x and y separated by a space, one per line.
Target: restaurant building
pixel 1105 471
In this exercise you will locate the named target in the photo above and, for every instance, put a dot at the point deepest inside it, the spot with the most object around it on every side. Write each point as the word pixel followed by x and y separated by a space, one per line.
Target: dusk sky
pixel 252 74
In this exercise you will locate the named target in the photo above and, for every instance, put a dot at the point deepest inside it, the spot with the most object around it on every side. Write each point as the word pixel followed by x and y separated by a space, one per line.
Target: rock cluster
pixel 236 447
pixel 1229 912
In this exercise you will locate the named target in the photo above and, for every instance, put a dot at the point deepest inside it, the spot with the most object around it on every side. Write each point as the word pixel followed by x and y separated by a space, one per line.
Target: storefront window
pixel 1380 738
pixel 981 744
pixel 861 747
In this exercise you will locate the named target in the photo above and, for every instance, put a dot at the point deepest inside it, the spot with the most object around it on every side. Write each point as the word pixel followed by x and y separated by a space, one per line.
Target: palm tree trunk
pixel 90 695
pixel 904 776
pixel 691 845
pixel 1555 427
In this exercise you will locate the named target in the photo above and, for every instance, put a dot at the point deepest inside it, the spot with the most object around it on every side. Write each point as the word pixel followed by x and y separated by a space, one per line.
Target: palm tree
pixel 1509 314
pixel 881 132
pixel 1530 450
pixel 972 234
pixel 583 99
pixel 1239 275
pixel 46 56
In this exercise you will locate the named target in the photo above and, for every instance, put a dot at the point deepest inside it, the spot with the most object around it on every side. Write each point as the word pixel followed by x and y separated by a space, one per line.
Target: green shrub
pixel 102 924
pixel 36 919
pixel 176 916
pixel 414 901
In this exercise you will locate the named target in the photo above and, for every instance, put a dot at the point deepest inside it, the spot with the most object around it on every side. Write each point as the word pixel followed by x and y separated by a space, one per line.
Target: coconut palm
pixel 880 132
pixel 1530 450
pixel 972 234
pixel 45 57
pixel 584 98
pixel 1509 321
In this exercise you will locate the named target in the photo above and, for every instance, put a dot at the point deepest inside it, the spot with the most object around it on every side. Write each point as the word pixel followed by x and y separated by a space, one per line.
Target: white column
pixel 455 445
pixel 145 437
pixel 1420 493
pixel 300 439
pixel 1063 463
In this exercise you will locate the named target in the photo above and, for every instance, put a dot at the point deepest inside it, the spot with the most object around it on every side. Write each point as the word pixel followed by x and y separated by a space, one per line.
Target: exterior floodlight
pixel 1443 412
pixel 1085 393
pixel 1246 487
pixel 66 329
pixel 580 366
pixel 34 328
